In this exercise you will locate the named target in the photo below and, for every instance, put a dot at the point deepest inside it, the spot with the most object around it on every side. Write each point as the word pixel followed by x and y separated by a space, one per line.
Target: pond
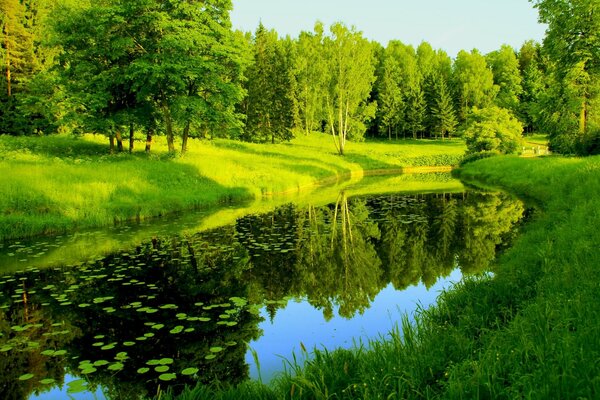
pixel 174 302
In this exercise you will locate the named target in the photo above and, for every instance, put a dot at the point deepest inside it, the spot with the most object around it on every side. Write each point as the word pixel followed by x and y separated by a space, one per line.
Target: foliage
pixel 473 82
pixel 493 129
pixel 271 105
pixel 507 76
pixel 572 45
pixel 350 58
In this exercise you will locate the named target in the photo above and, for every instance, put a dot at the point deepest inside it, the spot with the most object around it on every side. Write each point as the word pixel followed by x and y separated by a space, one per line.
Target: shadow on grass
pixel 90 195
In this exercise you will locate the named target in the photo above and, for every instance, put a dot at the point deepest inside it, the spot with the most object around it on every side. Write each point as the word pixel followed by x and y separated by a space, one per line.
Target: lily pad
pixel 167 377
pixel 189 371
pixel 25 377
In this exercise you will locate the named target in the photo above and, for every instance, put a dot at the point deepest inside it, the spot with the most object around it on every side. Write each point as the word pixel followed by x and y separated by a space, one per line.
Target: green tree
pixel 415 111
pixel 390 99
pixel 473 82
pixel 493 129
pixel 534 85
pixel 573 44
pixel 350 60
pixel 271 85
pixel 311 74
pixel 442 112
pixel 507 76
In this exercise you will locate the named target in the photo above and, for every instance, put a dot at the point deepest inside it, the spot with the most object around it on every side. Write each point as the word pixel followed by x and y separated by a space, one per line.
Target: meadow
pixel 54 184
pixel 528 330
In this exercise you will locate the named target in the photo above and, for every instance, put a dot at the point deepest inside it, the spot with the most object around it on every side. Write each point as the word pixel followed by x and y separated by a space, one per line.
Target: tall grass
pixel 530 330
pixel 56 183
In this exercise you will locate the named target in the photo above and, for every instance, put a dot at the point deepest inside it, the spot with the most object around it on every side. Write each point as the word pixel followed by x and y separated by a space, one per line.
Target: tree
pixel 507 76
pixel 442 113
pixel 573 44
pixel 534 85
pixel 473 82
pixel 311 73
pixel 271 108
pixel 349 84
pixel 390 99
pixel 415 111
pixel 493 129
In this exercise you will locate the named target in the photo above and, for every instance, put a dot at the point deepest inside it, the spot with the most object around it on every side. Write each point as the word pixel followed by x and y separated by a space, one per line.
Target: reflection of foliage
pixel 487 219
pixel 26 331
pixel 183 299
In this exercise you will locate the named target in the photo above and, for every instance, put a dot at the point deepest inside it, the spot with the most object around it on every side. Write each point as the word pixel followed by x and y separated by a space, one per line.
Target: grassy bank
pixel 54 184
pixel 532 330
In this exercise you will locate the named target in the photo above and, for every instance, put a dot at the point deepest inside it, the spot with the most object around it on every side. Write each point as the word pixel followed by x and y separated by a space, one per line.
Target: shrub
pixel 493 129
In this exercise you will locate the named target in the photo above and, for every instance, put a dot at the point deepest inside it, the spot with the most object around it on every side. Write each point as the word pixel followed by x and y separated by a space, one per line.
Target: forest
pixel 178 69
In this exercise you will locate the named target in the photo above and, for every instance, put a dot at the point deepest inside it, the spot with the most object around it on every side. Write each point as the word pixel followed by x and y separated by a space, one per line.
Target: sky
pixel 451 25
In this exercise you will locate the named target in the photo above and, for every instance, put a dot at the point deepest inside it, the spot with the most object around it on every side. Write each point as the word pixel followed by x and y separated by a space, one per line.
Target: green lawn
pixel 530 330
pixel 56 183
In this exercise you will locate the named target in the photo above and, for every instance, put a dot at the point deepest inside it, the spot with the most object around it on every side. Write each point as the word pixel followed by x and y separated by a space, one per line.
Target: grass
pixel 57 183
pixel 530 330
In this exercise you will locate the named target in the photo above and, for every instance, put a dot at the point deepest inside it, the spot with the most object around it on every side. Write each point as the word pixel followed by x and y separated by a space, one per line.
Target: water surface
pixel 188 305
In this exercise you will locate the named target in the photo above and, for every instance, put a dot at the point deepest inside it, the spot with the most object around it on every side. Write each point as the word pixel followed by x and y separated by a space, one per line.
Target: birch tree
pixel 352 74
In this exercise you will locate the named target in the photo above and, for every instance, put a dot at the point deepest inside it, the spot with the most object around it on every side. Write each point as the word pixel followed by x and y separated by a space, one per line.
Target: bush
pixel 493 129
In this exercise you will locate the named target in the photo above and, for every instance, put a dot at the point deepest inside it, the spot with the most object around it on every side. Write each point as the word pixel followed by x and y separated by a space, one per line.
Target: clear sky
pixel 451 25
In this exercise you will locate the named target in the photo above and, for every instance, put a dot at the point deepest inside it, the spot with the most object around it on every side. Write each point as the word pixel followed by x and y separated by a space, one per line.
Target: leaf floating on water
pixel 25 377
pixel 216 349
pixel 143 370
pixel 100 363
pixel 77 386
pixel 167 377
pixel 176 330
pixel 47 381
pixel 162 368
pixel 210 356
pixel 116 366
pixel 189 371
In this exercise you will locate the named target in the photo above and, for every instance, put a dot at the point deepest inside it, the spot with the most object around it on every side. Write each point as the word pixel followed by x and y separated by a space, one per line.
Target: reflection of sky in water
pixel 60 393
pixel 300 322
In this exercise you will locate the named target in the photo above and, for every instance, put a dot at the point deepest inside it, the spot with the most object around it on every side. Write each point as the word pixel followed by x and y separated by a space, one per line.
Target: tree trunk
pixel 169 126
pixel 131 126
pixel 119 140
pixel 389 133
pixel 186 134
pixel 149 133
pixel 111 140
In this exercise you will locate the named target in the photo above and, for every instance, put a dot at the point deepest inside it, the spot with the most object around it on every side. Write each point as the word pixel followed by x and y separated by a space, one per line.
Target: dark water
pixel 182 308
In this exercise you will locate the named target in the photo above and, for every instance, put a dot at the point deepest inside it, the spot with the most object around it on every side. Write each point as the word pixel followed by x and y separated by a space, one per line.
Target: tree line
pixel 179 69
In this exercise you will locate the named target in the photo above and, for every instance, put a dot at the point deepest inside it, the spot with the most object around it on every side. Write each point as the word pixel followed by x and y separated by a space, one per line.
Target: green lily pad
pixel 189 371
pixel 25 377
pixel 143 370
pixel 162 368
pixel 167 377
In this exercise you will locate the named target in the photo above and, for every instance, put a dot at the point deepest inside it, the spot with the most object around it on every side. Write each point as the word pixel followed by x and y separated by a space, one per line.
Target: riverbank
pixel 528 331
pixel 54 184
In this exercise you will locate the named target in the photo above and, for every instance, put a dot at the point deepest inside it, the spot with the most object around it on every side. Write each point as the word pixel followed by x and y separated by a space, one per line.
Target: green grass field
pixel 58 183
pixel 531 330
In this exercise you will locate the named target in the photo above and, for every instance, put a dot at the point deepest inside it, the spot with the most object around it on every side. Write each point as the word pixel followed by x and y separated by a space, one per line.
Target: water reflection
pixel 178 309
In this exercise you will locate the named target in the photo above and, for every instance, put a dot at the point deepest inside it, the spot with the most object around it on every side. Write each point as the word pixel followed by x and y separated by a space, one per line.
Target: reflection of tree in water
pixel 25 332
pixel 153 302
pixel 488 219
pixel 171 298
pixel 426 237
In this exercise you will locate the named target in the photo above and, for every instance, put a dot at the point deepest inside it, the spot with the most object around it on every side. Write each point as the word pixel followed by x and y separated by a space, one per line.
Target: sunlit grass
pixel 56 183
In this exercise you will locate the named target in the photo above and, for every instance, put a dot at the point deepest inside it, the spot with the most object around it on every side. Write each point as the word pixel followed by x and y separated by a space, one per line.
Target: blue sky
pixel 451 25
